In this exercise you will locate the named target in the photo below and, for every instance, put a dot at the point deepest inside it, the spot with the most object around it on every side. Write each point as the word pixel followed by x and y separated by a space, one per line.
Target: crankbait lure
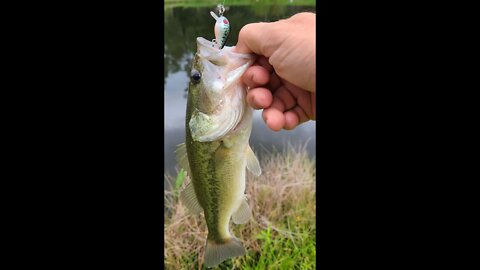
pixel 222 28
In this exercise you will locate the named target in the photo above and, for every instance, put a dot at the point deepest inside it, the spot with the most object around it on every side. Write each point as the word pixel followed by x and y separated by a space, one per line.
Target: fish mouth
pixel 203 44
pixel 209 54
pixel 207 50
pixel 221 67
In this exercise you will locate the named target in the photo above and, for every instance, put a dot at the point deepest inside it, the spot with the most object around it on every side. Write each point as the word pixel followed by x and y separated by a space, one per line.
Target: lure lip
pixel 214 15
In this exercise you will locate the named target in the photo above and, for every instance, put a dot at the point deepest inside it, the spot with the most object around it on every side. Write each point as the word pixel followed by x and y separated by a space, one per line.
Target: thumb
pixel 253 38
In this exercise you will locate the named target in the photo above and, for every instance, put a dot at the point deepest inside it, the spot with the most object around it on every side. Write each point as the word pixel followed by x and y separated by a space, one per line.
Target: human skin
pixel 282 80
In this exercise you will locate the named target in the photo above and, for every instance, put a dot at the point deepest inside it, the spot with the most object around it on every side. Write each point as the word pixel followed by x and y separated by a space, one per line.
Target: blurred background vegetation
pixel 186 20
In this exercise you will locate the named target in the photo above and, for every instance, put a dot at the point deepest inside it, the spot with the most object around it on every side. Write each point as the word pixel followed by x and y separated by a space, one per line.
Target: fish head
pixel 216 74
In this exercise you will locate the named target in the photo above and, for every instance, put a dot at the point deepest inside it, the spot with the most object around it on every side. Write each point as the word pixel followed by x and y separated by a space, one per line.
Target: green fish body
pixel 216 152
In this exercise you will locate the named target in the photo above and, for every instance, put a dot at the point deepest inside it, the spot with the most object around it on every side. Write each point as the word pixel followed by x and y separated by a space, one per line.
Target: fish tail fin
pixel 215 252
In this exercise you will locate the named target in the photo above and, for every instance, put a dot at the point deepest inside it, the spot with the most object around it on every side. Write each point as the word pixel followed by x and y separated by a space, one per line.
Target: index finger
pixel 256 76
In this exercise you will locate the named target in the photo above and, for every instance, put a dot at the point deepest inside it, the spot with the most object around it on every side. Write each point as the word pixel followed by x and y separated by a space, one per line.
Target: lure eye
pixel 196 76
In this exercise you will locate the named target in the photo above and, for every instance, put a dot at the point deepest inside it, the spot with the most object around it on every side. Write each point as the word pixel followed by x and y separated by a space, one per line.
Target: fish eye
pixel 196 76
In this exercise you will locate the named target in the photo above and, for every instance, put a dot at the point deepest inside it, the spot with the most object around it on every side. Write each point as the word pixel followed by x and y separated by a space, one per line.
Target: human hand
pixel 282 80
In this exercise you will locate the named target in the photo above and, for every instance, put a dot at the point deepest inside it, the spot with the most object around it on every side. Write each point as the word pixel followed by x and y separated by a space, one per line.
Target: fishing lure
pixel 222 28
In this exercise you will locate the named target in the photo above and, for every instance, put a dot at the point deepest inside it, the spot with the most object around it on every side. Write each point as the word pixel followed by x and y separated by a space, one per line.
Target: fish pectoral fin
pixel 243 213
pixel 252 162
pixel 201 124
pixel 182 158
pixel 189 199
pixel 215 253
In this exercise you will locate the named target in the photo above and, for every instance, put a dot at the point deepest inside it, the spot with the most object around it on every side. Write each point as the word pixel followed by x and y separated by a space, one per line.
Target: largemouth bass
pixel 216 152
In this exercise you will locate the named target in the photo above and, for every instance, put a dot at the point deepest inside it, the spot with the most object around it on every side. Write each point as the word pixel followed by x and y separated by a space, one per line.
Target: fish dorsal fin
pixel 252 162
pixel 182 158
pixel 243 213
pixel 189 199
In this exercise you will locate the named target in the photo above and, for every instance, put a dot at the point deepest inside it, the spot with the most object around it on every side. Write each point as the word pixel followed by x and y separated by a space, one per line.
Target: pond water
pixel 182 26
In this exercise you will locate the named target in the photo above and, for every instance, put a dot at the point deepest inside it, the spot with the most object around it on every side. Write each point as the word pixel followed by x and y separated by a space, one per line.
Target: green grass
pixel 180 179
pixel 281 234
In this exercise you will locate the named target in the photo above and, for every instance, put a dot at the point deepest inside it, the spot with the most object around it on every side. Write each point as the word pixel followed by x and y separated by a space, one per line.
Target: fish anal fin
pixel 243 213
pixel 252 162
pixel 189 199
